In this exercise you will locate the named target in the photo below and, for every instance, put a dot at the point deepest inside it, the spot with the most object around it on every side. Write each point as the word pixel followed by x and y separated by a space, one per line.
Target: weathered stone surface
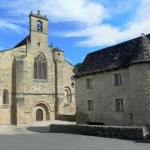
pixel 134 133
pixel 26 94
pixel 133 63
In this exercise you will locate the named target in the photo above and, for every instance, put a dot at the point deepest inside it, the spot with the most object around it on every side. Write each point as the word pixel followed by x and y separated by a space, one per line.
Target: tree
pixel 78 66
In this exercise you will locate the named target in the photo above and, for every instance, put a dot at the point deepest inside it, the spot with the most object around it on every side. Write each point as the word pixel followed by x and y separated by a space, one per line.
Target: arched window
pixel 39 26
pixel 5 97
pixel 67 95
pixel 39 67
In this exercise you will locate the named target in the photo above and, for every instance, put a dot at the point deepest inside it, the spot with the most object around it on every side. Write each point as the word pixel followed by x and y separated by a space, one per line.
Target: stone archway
pixel 40 112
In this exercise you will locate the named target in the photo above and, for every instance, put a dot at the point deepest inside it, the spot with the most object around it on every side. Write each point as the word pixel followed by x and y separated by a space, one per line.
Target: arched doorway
pixel 39 115
pixel 40 112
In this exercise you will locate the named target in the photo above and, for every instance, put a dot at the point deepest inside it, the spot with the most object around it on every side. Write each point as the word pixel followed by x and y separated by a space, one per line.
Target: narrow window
pixel 117 79
pixel 35 70
pixel 39 67
pixel 43 70
pixel 67 95
pixel 119 105
pixel 39 26
pixel 89 83
pixel 5 97
pixel 90 105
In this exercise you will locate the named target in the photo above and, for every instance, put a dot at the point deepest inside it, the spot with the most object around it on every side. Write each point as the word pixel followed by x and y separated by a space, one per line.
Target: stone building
pixel 35 79
pixel 113 84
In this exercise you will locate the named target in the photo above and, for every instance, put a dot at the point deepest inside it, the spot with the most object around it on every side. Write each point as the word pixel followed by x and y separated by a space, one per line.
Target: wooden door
pixel 39 115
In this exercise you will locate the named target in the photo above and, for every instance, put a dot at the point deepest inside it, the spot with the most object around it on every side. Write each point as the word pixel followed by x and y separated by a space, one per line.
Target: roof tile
pixel 121 55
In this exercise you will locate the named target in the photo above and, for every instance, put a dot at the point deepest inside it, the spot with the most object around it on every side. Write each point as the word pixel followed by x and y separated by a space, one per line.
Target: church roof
pixel 23 42
pixel 57 49
pixel 118 56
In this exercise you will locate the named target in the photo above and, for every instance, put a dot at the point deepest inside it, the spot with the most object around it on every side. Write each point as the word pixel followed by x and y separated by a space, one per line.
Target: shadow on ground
pixel 45 129
pixel 39 129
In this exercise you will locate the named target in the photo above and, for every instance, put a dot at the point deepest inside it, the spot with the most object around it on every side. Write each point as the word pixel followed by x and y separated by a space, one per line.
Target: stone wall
pixel 140 93
pixel 6 82
pixel 27 94
pixel 71 118
pixel 133 133
pixel 134 91
pixel 103 94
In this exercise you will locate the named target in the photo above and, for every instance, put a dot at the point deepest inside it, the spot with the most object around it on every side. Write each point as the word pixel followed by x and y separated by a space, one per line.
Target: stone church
pixel 115 83
pixel 36 81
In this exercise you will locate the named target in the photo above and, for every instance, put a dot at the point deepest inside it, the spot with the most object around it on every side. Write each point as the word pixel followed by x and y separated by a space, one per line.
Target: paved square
pixel 35 137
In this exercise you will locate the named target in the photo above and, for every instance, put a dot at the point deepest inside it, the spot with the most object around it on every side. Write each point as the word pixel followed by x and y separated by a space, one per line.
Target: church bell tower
pixel 38 28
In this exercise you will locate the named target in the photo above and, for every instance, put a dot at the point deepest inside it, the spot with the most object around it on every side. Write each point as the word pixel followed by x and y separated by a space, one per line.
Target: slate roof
pixel 57 49
pixel 118 56
pixel 23 42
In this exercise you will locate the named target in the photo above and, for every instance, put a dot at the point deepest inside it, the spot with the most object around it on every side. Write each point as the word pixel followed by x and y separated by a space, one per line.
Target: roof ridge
pixel 121 55
pixel 23 42
pixel 145 39
pixel 57 49
pixel 123 42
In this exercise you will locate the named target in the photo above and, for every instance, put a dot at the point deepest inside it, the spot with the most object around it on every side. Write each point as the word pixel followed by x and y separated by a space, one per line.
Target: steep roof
pixel 23 42
pixel 118 56
pixel 57 49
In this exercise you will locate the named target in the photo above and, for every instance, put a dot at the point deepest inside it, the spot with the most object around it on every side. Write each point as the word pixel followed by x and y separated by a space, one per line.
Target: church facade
pixel 113 85
pixel 36 81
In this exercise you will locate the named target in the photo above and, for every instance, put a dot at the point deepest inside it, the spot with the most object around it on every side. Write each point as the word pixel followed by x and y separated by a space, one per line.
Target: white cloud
pixel 97 35
pixel 79 11
pixel 15 15
pixel 7 25
pixel 89 15
pixel 82 11
pixel 107 34
pixel 17 7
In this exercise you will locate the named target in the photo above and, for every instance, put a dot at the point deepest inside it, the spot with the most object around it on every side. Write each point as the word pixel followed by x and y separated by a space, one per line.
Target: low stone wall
pixel 71 118
pixel 125 132
pixel 148 129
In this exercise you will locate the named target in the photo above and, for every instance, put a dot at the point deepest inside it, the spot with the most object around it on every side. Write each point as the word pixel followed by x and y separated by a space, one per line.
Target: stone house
pixel 113 85
pixel 35 79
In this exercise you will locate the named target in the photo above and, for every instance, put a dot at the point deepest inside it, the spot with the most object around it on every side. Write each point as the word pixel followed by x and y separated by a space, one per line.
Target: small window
pixel 117 79
pixel 89 83
pixel 90 105
pixel 119 105
pixel 5 97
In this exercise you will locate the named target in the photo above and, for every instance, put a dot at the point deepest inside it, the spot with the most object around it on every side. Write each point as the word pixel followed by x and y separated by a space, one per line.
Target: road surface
pixel 36 137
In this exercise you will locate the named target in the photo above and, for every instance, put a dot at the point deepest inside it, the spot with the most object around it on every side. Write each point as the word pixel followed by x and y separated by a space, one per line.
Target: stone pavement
pixel 35 137
pixel 34 128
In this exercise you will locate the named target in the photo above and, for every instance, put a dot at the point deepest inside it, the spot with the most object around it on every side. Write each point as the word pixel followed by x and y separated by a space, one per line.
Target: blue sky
pixel 77 27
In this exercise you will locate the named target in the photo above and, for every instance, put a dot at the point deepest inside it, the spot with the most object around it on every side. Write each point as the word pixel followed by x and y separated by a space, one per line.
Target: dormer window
pixel 39 26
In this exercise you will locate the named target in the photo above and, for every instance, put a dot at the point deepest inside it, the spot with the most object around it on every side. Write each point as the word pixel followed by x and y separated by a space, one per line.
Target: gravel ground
pixel 36 137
